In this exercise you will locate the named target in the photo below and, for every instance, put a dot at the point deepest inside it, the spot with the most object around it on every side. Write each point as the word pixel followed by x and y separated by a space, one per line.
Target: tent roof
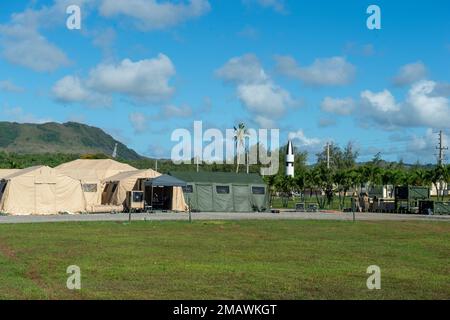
pixel 6 172
pixel 23 172
pixel 219 177
pixel 96 164
pixel 93 169
pixel 166 181
pixel 134 174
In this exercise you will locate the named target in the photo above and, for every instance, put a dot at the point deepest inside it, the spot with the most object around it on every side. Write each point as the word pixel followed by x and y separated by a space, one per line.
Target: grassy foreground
pixel 226 260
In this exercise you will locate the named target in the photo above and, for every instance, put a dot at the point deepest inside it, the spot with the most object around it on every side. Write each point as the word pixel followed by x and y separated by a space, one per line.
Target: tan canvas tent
pixel 40 190
pixel 92 173
pixel 117 186
pixel 7 172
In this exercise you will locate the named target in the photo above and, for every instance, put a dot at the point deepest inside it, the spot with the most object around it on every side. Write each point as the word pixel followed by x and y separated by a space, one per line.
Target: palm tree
pixel 344 178
pixel 239 139
pixel 438 176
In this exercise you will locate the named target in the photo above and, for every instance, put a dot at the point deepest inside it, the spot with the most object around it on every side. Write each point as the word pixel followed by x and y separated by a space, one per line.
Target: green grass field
pixel 226 260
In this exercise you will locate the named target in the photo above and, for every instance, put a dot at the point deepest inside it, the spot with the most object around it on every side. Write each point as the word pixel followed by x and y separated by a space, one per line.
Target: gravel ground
pixel 220 216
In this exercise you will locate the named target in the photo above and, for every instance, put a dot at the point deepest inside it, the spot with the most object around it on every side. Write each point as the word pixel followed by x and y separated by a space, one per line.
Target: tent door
pixel 45 198
pixel 205 197
pixel 241 197
pixel 162 197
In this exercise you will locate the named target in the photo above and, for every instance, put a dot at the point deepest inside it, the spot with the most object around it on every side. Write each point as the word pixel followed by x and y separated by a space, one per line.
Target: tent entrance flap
pixel 160 198
pixel 205 197
pixel 159 191
pixel 241 198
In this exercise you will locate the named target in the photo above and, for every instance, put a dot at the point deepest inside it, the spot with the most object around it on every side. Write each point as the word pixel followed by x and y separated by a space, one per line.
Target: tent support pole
pixel 151 198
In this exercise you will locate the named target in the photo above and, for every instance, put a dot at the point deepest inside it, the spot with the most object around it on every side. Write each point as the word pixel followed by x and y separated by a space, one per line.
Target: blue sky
pixel 141 68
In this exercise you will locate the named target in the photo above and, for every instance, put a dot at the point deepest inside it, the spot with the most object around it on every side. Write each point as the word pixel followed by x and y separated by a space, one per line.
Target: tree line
pixel 325 180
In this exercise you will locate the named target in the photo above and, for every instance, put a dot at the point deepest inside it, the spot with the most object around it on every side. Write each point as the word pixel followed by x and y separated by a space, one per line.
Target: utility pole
pixel 328 155
pixel 246 161
pixel 156 164
pixel 196 158
pixel 441 149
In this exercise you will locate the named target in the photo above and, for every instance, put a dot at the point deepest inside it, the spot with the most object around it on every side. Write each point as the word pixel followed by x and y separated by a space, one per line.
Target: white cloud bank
pixel 344 106
pixel 256 90
pixel 24 44
pixel 277 5
pixel 151 14
pixel 144 80
pixel 410 73
pixel 423 107
pixel 334 71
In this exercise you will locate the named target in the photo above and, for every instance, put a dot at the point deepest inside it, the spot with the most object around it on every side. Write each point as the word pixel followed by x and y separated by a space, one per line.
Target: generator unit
pixel 135 201
pixel 407 198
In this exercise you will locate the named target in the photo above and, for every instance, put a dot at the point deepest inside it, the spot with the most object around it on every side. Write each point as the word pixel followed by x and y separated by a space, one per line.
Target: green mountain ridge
pixel 68 138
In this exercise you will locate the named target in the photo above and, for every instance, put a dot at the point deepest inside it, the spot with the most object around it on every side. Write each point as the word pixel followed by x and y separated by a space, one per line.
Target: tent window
pixel 222 189
pixel 258 190
pixel 2 188
pixel 114 187
pixel 188 188
pixel 89 187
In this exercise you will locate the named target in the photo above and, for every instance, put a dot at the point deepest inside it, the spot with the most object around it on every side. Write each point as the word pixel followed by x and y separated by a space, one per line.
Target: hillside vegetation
pixel 66 138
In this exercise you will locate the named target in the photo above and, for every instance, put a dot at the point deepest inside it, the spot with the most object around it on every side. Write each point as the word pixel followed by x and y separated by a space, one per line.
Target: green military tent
pixel 224 191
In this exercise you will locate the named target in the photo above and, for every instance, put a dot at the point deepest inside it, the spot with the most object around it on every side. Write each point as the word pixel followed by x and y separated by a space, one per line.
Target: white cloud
pixel 326 122
pixel 249 32
pixel 425 108
pixel 343 106
pixel 441 89
pixel 277 5
pixel 357 49
pixel 264 98
pixel 256 90
pixel 423 147
pixel 151 14
pixel 144 81
pixel 243 69
pixel 24 44
pixel 30 49
pixel 71 89
pixel 303 140
pixel 157 151
pixel 9 86
pixel 422 107
pixel 410 73
pixel 139 121
pixel 265 122
pixel 334 71
pixel 104 39
pixel 380 102
pixel 172 111
pixel 17 114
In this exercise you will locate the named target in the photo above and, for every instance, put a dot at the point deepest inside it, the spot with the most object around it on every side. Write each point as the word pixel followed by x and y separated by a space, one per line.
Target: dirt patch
pixel 7 251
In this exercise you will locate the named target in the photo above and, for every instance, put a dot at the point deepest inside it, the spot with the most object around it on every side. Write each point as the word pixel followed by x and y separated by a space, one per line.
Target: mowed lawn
pixel 226 260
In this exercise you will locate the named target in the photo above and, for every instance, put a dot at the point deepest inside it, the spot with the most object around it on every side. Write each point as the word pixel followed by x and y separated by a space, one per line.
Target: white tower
pixel 114 154
pixel 290 159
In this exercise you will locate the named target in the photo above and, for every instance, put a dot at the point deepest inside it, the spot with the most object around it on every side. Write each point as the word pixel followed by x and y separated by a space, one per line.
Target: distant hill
pixel 69 138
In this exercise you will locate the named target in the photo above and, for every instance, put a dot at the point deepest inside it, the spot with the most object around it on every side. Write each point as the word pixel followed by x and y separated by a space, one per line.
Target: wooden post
pixel 151 198
pixel 189 204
